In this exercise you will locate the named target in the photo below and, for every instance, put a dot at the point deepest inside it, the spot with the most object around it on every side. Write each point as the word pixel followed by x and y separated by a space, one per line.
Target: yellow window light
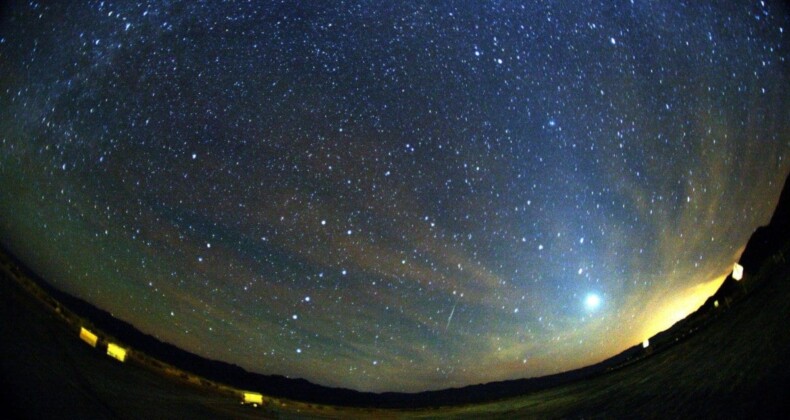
pixel 88 337
pixel 116 352
pixel 253 398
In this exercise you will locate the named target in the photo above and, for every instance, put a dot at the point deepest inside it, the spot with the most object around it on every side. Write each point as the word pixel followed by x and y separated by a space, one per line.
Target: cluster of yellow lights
pixel 113 350
pixel 119 353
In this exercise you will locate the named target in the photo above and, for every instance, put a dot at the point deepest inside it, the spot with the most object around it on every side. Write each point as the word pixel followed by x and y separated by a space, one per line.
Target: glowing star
pixel 592 301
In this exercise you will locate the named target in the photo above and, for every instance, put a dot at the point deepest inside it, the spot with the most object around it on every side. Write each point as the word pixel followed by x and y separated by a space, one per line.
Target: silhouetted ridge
pixel 768 239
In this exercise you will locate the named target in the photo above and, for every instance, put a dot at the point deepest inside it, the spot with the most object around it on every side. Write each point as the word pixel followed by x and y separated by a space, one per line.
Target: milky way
pixel 400 196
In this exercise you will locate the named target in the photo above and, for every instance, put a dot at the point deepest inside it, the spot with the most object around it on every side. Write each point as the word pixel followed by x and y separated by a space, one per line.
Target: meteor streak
pixel 450 318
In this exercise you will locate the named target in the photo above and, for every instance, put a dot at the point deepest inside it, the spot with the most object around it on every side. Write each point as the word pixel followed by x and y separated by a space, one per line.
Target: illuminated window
pixel 253 398
pixel 88 337
pixel 116 352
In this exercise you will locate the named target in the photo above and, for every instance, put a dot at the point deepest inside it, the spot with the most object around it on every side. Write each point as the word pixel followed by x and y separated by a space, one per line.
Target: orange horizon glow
pixel 672 310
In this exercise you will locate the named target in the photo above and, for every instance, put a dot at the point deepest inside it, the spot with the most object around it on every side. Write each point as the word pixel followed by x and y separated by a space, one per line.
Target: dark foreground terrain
pixel 730 359
pixel 735 366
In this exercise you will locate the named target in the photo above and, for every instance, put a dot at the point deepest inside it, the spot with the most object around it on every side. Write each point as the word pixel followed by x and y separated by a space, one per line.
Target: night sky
pixel 400 196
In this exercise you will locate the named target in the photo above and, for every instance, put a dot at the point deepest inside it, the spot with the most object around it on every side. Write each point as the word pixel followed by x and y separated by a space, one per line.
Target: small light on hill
pixel 737 272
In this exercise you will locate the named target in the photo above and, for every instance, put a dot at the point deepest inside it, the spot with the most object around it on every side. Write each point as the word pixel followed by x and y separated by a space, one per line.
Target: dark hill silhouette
pixel 766 240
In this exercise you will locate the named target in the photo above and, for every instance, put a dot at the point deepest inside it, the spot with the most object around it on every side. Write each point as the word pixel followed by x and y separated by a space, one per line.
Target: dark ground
pixel 737 366
pixel 48 373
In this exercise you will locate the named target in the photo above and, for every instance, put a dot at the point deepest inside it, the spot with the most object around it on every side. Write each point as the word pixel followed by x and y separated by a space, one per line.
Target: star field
pixel 392 197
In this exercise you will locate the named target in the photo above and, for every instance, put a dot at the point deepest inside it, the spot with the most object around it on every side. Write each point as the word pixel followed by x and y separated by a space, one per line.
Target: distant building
pixel 737 272
pixel 646 343
pixel 88 337
pixel 116 352
pixel 253 398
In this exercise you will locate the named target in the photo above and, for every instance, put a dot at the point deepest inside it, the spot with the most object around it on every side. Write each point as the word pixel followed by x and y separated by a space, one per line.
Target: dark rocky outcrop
pixel 767 240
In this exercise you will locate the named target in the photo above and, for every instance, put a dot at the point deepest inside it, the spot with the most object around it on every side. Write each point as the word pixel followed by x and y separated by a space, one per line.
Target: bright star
pixel 592 301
